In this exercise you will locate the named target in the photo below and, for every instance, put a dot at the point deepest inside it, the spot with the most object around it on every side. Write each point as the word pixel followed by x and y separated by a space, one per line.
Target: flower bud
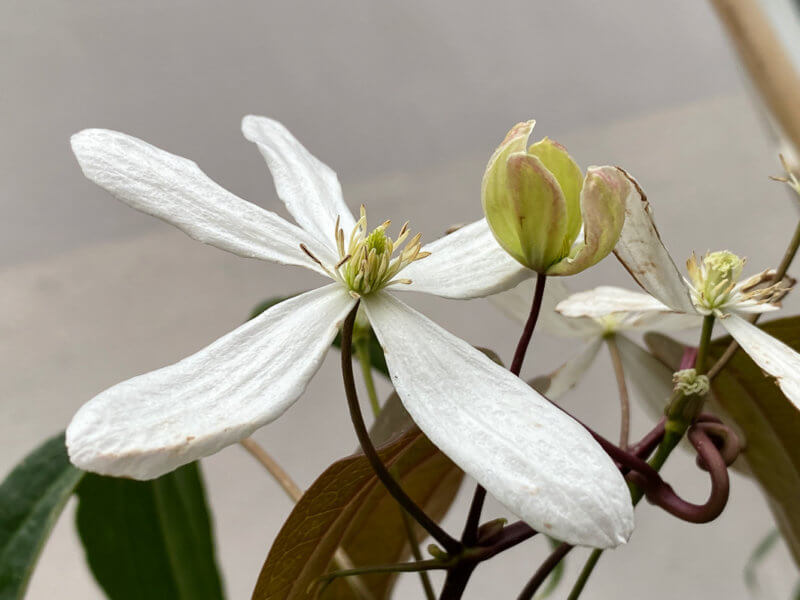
pixel 536 201
pixel 690 383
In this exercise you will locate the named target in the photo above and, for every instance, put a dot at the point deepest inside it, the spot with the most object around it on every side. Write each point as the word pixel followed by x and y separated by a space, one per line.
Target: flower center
pixel 367 263
pixel 714 278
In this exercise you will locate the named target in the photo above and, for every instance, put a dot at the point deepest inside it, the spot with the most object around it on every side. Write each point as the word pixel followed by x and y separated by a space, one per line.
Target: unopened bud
pixel 690 383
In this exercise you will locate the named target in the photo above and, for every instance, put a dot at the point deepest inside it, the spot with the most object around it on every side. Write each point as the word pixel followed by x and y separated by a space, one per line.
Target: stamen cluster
pixel 366 264
pixel 714 284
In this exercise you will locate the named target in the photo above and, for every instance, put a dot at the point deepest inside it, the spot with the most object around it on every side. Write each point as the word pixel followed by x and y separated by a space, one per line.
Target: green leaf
pixel 751 401
pixel 149 539
pixel 347 505
pixel 31 499
pixel 375 351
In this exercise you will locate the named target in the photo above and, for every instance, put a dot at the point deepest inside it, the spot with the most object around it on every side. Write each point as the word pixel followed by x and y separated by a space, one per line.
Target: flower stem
pixel 624 403
pixel 362 351
pixel 425 580
pixel 678 421
pixel 580 583
pixel 543 572
pixel 450 544
pixel 273 468
pixel 780 273
pixel 361 343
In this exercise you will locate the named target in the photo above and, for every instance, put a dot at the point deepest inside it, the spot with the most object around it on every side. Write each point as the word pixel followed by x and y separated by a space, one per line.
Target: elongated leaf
pixel 375 351
pixel 377 533
pixel 348 505
pixel 149 539
pixel 31 500
pixel 770 424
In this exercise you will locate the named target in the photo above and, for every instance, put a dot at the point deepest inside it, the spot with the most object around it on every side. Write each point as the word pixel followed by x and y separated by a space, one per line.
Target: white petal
pixel 308 187
pixel 567 375
pixel 532 457
pixel 660 321
pixel 642 252
pixel 605 300
pixel 153 423
pixel 772 355
pixel 467 263
pixel 175 190
pixel 651 378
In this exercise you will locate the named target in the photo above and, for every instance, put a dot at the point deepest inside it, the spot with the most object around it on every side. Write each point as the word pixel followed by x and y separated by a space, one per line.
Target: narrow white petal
pixel 661 321
pixel 567 375
pixel 651 378
pixel 175 190
pixel 153 423
pixel 467 263
pixel 755 308
pixel 642 252
pixel 516 303
pixel 606 300
pixel 309 188
pixel 532 457
pixel 772 355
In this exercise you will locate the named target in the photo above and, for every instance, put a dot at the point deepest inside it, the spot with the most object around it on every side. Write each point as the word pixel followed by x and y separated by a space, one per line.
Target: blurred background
pixel 405 100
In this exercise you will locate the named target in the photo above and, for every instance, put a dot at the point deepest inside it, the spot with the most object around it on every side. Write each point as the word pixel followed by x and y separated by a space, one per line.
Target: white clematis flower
pixel 615 311
pixel 537 461
pixel 713 288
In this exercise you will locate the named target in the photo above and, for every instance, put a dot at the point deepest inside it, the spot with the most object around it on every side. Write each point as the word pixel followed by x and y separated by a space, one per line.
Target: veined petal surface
pixel 309 188
pixel 532 457
pixel 642 253
pixel 608 299
pixel 569 374
pixel 156 422
pixel 468 263
pixel 772 355
pixel 175 190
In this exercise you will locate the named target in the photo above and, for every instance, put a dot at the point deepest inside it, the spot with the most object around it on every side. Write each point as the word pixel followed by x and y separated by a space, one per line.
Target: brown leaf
pixel 347 505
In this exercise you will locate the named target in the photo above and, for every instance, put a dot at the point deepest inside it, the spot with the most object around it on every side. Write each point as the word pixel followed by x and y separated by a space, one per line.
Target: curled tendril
pixel 713 460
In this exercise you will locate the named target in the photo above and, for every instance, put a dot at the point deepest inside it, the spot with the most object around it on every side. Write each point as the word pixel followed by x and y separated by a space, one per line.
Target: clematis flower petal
pixel 569 374
pixel 772 355
pixel 516 303
pixel 642 253
pixel 607 299
pixel 156 422
pixel 309 188
pixel 651 379
pixel 175 190
pixel 532 457
pixel 603 197
pixel 467 263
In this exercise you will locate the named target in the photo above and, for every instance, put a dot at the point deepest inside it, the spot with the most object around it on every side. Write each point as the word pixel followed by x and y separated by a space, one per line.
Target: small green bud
pixel 536 200
pixel 437 552
pixel 690 383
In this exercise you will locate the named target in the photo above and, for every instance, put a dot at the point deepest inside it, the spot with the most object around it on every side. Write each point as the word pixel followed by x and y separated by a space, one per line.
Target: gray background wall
pixel 405 100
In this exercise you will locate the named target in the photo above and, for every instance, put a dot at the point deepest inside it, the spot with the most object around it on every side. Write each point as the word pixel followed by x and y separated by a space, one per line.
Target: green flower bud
pixel 536 201
pixel 690 383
